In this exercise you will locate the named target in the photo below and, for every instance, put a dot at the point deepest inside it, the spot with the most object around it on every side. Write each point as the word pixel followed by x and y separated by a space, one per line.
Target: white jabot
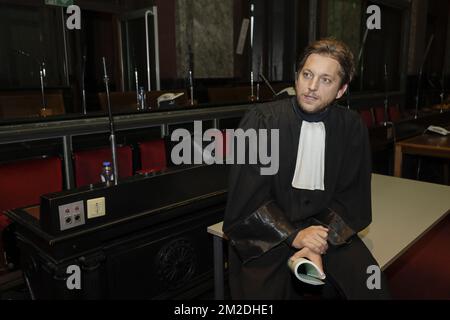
pixel 310 165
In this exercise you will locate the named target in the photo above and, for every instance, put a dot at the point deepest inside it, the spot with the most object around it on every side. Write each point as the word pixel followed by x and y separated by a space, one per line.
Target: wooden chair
pixel 394 113
pixel 153 155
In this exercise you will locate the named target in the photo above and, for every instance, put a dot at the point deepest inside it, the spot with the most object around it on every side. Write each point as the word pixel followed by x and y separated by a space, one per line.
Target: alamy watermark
pixel 374 21
pixel 73 281
pixel 228 147
pixel 74 20
pixel 374 280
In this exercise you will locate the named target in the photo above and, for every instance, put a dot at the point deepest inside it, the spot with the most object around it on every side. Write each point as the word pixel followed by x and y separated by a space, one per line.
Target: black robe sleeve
pixel 352 198
pixel 253 222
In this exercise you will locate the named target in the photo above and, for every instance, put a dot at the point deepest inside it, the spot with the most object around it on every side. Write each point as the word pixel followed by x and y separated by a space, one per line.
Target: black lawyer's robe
pixel 347 191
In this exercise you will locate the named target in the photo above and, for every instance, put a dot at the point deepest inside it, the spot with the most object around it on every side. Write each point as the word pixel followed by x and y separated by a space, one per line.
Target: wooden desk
pixel 432 145
pixel 402 212
pixel 126 101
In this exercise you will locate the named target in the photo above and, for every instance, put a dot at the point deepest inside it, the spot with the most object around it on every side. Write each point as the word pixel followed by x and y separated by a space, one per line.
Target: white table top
pixel 402 211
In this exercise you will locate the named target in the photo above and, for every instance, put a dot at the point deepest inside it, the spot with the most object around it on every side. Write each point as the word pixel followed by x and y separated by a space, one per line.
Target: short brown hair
pixel 334 49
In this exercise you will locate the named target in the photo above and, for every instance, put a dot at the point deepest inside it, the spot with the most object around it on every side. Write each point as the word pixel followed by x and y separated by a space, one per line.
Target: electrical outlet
pixel 71 215
pixel 96 207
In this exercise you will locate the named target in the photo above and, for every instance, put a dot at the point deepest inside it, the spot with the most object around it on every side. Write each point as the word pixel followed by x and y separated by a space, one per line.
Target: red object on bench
pixel 88 164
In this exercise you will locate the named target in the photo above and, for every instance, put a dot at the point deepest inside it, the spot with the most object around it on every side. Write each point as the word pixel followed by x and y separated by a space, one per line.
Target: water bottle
pixel 142 98
pixel 107 174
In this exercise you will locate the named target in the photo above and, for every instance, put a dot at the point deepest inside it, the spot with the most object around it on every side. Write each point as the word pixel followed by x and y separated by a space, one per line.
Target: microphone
pixel 111 124
pixel 419 80
pixel 42 75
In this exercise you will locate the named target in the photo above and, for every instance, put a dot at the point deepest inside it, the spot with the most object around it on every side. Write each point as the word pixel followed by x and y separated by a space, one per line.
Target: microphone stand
pixel 257 91
pixel 111 124
pixel 391 134
pixel 138 102
pixel 191 87
pixel 267 84
pixel 252 26
pixel 385 95
pixel 361 50
pixel 42 75
pixel 252 85
pixel 442 95
pixel 420 76
pixel 348 96
pixel 83 88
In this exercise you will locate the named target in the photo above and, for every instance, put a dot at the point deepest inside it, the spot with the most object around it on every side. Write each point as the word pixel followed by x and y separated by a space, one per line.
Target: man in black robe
pixel 319 199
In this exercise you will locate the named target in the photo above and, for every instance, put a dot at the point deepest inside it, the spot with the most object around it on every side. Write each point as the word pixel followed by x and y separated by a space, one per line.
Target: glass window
pixel 31 36
pixel 346 20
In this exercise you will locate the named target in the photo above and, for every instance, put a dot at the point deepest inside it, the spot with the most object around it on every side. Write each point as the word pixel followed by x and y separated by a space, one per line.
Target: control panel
pixel 71 215
pixel 87 207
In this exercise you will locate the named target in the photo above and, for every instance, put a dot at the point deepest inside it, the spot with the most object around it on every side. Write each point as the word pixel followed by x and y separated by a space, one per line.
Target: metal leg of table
pixel 218 268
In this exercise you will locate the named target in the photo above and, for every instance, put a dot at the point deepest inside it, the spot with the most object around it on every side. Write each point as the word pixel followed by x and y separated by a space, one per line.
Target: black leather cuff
pixel 264 229
pixel 339 233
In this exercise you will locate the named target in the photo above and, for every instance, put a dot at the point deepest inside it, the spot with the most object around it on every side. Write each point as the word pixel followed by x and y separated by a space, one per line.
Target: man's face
pixel 318 83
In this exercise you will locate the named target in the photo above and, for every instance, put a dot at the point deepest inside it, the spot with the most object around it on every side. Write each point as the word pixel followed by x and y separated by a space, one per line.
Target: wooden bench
pixel 126 101
pixel 19 105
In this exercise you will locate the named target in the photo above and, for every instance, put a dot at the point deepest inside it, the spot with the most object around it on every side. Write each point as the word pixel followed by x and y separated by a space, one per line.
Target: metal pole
pixel 148 51
pixel 66 66
pixel 420 75
pixel 42 76
pixel 312 34
pixel 111 125
pixel 191 87
pixel 137 89
pixel 155 24
pixel 360 57
pixel 68 170
pixel 83 89
pixel 385 95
